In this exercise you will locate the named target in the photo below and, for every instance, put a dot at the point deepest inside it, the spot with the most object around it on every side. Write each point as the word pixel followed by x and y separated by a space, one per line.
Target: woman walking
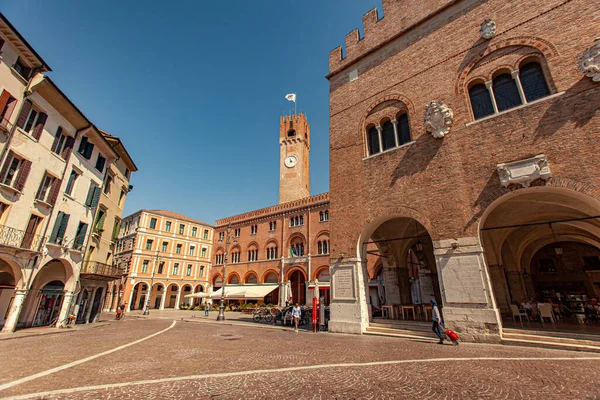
pixel 437 321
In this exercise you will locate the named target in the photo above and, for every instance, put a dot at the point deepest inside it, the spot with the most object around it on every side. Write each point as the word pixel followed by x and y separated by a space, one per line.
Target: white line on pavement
pixel 288 369
pixel 81 361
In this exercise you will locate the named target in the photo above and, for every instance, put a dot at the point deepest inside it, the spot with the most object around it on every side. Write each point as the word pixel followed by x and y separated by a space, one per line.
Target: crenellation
pixel 398 16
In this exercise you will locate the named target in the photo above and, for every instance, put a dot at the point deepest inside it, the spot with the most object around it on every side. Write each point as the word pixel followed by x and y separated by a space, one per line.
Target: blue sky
pixel 195 89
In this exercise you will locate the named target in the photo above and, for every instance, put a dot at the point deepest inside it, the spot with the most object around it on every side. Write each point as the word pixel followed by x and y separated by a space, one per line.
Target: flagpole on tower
pixel 292 97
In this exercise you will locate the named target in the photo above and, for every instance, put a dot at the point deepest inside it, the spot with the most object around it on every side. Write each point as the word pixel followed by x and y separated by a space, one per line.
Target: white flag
pixel 291 97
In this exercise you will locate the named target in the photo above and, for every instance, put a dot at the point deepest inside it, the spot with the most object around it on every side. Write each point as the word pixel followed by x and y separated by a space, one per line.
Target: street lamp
pixel 149 293
pixel 221 316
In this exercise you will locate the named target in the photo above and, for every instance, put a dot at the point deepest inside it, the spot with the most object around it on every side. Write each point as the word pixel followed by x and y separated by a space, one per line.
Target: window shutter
pixel 63 227
pixel 68 147
pixel 23 174
pixel 4 101
pixel 54 191
pixel 90 195
pixel 95 197
pixel 56 138
pixel 39 127
pixel 82 145
pixel 24 113
pixel 81 236
pixel 6 165
pixel 56 226
pixel 100 224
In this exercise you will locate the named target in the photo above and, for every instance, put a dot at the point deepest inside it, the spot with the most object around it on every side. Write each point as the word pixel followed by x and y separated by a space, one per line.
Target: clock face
pixel 290 161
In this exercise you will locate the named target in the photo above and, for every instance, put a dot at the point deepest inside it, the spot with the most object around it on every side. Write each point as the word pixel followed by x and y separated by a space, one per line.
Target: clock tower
pixel 294 145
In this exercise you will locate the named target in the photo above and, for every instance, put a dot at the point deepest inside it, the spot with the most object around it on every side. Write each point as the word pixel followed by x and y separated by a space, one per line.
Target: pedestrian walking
pixel 207 307
pixel 437 321
pixel 296 314
pixel 121 311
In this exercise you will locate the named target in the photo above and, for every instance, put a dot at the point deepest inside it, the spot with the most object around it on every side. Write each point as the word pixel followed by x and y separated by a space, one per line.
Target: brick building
pixel 286 245
pixel 488 195
pixel 165 251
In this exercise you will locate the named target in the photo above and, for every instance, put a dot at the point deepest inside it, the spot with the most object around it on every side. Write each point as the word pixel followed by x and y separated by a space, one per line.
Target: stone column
pixel 88 312
pixel 515 76
pixel 379 129
pixel 162 299
pixel 102 299
pixel 178 297
pixel 131 299
pixel 349 301
pixel 468 301
pixel 65 308
pixel 488 85
pixel 396 139
pixel 15 310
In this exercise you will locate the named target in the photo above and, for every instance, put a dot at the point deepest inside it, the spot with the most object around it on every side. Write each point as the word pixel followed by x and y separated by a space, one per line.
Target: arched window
pixel 323 246
pixel 323 275
pixel 234 280
pixel 481 102
pixel 292 133
pixel 251 279
pixel 373 141
pixel 533 82
pixel 388 137
pixel 235 256
pixel 219 258
pixel 403 129
pixel 271 278
pixel 271 251
pixel 297 247
pixel 506 92
pixel 252 253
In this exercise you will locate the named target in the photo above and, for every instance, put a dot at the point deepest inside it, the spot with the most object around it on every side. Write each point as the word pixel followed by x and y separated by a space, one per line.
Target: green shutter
pixel 62 228
pixel 90 195
pixel 57 224
pixel 95 197
pixel 81 234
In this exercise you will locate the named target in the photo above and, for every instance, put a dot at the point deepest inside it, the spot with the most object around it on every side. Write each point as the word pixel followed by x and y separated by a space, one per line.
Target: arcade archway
pixel 400 271
pixel 542 247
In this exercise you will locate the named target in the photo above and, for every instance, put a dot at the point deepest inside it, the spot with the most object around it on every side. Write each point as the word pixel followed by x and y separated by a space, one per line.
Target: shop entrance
pixel 542 246
pixel 298 286
pixel 50 303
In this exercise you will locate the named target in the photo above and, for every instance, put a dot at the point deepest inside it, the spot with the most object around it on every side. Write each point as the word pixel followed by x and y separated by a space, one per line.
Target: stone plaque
pixel 343 283
pixel 462 279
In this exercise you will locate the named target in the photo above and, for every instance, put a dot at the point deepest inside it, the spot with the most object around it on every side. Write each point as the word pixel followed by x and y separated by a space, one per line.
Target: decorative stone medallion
pixel 589 61
pixel 438 118
pixel 523 172
pixel 488 29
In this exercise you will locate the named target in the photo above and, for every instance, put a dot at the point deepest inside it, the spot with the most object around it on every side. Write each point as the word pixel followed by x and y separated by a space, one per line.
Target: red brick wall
pixel 444 182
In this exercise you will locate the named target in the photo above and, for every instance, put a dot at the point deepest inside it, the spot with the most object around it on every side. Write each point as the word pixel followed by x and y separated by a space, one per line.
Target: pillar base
pixel 480 325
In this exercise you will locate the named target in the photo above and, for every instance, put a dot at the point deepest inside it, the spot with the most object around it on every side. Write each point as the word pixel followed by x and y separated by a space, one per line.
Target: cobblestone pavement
pixel 202 360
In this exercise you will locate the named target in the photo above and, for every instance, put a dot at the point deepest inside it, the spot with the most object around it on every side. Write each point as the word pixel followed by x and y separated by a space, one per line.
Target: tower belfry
pixel 294 144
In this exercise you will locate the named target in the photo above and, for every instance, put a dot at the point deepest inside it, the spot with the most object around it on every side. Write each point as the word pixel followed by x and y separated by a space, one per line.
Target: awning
pixel 238 292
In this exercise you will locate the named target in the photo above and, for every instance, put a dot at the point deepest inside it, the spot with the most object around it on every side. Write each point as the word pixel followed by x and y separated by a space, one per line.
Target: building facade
pixel 459 201
pixel 165 251
pixel 53 164
pixel 286 245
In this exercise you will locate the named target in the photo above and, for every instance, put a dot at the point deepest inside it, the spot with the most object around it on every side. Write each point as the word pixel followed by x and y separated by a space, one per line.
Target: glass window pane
pixel 387 136
pixel 403 129
pixel 506 93
pixel 373 141
pixel 533 82
pixel 481 102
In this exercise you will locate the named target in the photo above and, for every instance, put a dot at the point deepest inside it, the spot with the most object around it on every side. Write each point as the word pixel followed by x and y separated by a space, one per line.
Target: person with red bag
pixel 437 321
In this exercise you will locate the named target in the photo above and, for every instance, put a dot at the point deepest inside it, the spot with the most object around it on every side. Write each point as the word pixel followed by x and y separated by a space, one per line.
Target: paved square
pixel 208 360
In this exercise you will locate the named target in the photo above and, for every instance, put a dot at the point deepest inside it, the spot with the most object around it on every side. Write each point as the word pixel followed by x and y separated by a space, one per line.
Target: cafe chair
pixel 546 312
pixel 516 313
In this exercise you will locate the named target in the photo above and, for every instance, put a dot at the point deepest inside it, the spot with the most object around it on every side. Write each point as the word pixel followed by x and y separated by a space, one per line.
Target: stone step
pixel 402 324
pixel 550 345
pixel 403 334
pixel 551 339
pixel 412 329
pixel 553 334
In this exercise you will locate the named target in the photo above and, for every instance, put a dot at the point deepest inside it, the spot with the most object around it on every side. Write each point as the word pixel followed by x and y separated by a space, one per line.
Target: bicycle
pixel 68 322
pixel 262 313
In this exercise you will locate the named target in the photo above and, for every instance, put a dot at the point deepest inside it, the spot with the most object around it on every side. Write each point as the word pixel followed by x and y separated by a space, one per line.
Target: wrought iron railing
pixel 20 239
pixel 98 268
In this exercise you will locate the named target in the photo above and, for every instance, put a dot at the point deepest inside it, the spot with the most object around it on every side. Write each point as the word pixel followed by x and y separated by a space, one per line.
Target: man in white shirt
pixel 296 314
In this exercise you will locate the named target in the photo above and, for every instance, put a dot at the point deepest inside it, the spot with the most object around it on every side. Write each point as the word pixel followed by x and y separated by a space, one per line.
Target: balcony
pixel 20 239
pixel 100 271
pixel 5 125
